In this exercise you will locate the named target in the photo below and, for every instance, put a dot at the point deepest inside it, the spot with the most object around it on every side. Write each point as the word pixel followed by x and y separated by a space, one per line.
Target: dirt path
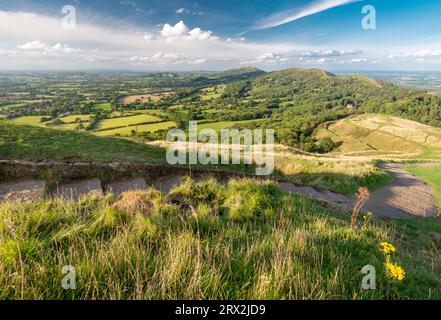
pixel 405 195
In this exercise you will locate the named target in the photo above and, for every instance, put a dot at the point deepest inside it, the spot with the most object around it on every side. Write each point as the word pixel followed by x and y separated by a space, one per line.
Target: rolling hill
pixel 383 136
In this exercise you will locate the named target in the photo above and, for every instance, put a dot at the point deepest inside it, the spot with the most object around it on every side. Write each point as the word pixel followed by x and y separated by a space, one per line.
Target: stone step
pixel 77 189
pixel 121 186
pixel 22 191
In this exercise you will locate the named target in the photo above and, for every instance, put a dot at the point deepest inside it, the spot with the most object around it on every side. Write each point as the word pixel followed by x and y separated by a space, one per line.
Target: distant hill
pixel 300 100
pixel 223 77
pixel 238 74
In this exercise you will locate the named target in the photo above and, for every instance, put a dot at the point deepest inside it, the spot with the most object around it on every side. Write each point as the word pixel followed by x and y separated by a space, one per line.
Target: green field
pixel 73 118
pixel 152 127
pixel 103 106
pixel 126 121
pixel 431 174
pixel 36 121
pixel 28 120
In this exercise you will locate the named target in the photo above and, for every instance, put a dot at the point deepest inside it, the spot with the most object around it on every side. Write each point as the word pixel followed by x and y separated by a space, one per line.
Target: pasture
pixel 143 98
pixel 152 127
pixel 126 121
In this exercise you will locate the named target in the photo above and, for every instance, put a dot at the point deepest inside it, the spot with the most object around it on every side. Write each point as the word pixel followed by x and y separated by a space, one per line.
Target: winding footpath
pixel 405 196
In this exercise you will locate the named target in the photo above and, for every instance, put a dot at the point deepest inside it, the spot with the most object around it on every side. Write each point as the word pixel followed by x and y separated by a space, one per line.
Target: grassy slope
pixel 384 137
pixel 343 176
pixel 246 241
pixel 33 143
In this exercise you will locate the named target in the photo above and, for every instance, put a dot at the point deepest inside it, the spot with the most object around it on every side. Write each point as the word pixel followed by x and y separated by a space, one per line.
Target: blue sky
pixel 153 35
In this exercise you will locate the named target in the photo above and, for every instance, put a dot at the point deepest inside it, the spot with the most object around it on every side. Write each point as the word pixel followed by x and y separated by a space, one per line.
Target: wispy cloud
pixel 290 15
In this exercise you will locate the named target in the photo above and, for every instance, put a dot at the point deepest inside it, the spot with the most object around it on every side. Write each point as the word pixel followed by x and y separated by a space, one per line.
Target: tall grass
pixel 247 240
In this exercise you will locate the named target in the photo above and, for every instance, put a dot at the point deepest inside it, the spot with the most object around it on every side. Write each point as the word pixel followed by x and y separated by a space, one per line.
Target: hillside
pixel 248 240
pixel 216 239
pixel 384 137
pixel 34 143
pixel 296 101
pixel 237 74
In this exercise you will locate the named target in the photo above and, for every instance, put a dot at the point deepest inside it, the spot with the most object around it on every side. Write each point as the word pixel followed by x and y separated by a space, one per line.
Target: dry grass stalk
pixel 362 197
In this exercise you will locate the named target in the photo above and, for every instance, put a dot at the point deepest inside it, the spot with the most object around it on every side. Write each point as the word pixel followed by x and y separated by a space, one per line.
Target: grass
pixel 106 106
pixel 126 121
pixel 431 174
pixel 36 121
pixel 33 143
pixel 138 128
pixel 28 120
pixel 340 175
pixel 203 241
pixel 70 126
pixel 73 118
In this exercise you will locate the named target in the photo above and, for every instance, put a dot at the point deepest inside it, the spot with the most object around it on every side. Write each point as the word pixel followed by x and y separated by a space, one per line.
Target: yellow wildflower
pixel 387 247
pixel 395 271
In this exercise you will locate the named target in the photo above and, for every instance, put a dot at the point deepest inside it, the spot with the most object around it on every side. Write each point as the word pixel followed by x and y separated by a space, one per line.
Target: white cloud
pixel 416 54
pixel 199 34
pixel 182 11
pixel 289 16
pixel 188 11
pixel 330 53
pixel 149 37
pixel 58 49
pixel 267 58
pixel 167 58
pixel 358 60
pixel 304 57
pixel 38 45
pixel 181 31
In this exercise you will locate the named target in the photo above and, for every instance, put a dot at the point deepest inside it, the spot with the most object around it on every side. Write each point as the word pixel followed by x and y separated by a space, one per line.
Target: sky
pixel 181 35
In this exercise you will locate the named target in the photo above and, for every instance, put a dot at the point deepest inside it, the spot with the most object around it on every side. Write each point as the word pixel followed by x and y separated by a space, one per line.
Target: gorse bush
pixel 246 240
